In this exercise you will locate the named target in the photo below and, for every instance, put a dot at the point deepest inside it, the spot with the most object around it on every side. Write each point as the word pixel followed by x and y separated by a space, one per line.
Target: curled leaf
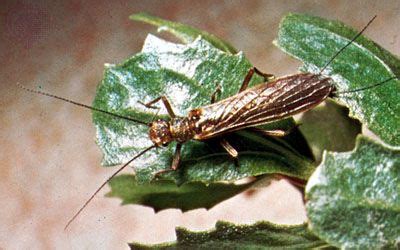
pixel 354 197
pixel 315 41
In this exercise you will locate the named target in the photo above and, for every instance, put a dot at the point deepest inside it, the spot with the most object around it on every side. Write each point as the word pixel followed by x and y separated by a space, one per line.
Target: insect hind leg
pixel 267 77
pixel 245 83
pixel 231 150
pixel 249 76
pixel 216 92
pixel 274 132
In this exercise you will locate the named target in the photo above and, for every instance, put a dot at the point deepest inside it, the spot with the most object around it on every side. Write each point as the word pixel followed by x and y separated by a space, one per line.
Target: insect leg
pixel 216 92
pixel 177 157
pixel 247 79
pixel 175 161
pixel 228 147
pixel 274 132
pixel 231 151
pixel 166 103
pixel 267 77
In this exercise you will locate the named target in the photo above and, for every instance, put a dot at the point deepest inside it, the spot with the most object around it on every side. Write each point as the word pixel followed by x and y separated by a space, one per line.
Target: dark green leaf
pixel 354 198
pixel 164 194
pixel 187 75
pixel 258 156
pixel 327 127
pixel 262 235
pixel 184 32
pixel 314 41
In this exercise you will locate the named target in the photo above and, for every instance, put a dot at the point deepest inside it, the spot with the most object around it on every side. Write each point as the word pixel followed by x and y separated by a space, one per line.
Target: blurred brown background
pixel 50 163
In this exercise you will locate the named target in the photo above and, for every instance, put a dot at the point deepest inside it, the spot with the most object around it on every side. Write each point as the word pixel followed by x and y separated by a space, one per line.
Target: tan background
pixel 49 161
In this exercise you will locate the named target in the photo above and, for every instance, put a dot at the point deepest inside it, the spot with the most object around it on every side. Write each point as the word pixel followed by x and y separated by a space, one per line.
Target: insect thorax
pixel 184 128
pixel 180 129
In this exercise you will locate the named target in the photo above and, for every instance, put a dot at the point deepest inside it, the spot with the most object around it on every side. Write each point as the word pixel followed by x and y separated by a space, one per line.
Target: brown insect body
pixel 266 102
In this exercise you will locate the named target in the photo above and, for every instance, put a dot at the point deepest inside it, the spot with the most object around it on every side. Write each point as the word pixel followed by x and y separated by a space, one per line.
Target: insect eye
pixel 165 144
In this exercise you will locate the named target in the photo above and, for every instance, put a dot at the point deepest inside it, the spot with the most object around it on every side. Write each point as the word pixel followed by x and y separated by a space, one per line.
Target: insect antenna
pixel 155 116
pixel 104 183
pixel 336 93
pixel 348 44
pixel 82 105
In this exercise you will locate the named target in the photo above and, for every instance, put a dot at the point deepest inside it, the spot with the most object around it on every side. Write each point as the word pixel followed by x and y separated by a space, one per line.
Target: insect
pixel 267 102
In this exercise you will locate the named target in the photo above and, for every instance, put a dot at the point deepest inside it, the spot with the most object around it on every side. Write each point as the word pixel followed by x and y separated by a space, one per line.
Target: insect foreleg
pixel 247 79
pixel 166 103
pixel 177 157
pixel 175 161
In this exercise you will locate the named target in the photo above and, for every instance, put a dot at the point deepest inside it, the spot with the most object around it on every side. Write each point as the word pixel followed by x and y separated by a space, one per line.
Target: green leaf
pixel 187 75
pixel 258 156
pixel 184 32
pixel 354 198
pixel 164 194
pixel 262 235
pixel 364 63
pixel 327 127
